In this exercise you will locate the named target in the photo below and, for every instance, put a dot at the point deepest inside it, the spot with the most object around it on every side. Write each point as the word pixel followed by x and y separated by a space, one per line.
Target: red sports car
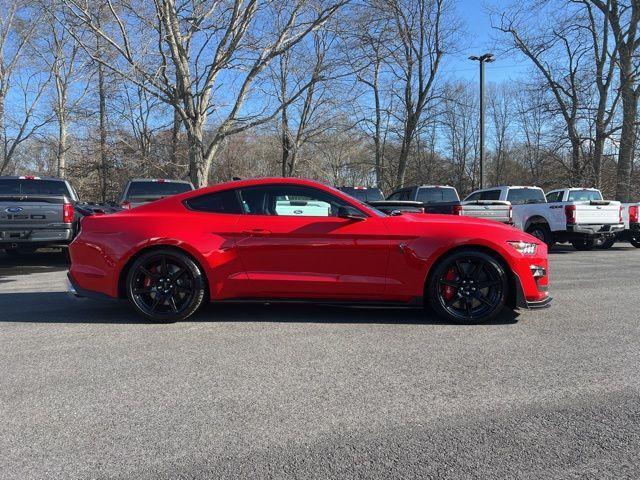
pixel 287 239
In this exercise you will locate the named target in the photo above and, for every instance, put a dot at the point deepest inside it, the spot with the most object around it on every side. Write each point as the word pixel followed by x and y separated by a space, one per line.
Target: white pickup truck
pixel 569 215
pixel 631 233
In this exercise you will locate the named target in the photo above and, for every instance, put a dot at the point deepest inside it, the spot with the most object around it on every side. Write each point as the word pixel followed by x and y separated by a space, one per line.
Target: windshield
pixel 437 194
pixel 15 186
pixel 157 189
pixel 584 195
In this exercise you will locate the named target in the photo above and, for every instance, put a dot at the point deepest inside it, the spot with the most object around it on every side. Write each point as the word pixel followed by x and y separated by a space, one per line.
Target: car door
pixel 292 244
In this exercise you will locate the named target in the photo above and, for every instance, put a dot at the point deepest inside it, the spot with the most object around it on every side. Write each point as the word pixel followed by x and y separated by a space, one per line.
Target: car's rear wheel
pixel 469 286
pixel 541 232
pixel 635 241
pixel 584 244
pixel 165 286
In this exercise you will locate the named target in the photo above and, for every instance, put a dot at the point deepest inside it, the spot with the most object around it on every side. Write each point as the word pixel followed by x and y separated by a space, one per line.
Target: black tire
pixel 635 241
pixel 542 232
pixel 584 244
pixel 467 287
pixel 605 243
pixel 165 285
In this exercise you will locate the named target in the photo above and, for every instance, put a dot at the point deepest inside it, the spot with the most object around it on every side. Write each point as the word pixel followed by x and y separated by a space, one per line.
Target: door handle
pixel 256 232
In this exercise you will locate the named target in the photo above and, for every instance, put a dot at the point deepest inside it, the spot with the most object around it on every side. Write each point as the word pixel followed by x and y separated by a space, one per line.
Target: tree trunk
pixel 103 131
pixel 3 142
pixel 409 132
pixel 627 138
pixel 199 163
pixel 175 136
pixel 62 144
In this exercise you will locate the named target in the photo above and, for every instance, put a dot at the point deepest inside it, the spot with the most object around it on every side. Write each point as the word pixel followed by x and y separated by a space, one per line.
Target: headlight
pixel 525 248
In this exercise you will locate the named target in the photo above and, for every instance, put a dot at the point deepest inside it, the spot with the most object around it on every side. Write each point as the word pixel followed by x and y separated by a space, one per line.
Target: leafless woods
pixel 344 91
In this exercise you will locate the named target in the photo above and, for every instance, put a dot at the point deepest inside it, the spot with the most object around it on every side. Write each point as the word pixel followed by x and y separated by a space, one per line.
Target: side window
pixel 394 196
pixel 289 200
pixel 519 196
pixel 473 197
pixel 490 195
pixel 554 197
pixel 219 202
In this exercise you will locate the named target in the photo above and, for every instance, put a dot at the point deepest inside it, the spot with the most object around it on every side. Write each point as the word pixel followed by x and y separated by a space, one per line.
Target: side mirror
pixel 350 213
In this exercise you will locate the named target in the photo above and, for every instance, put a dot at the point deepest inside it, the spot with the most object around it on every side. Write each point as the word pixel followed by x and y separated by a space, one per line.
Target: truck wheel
pixel 605 243
pixel 584 244
pixel 541 232
pixel 467 287
pixel 635 241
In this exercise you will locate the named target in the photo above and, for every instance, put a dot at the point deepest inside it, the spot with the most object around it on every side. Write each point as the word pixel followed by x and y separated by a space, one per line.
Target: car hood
pixel 453 223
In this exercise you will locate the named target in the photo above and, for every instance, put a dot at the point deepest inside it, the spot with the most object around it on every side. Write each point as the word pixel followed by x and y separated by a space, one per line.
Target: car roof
pixel 153 180
pixel 30 177
pixel 253 182
pixel 506 186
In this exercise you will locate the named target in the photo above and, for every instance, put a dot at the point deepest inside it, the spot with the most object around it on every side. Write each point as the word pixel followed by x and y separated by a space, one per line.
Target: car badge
pixel 13 209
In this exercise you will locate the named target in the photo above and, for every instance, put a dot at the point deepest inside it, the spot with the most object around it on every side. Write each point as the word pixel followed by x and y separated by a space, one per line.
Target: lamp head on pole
pixel 487 58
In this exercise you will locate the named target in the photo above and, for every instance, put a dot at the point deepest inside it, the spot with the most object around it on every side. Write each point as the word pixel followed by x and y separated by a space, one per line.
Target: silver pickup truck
pixel 36 212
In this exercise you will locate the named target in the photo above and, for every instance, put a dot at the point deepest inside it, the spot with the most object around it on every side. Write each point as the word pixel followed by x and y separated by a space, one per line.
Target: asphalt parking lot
pixel 89 391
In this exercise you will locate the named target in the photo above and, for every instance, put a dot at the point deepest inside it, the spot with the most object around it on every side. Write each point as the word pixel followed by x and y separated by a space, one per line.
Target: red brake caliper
pixel 447 291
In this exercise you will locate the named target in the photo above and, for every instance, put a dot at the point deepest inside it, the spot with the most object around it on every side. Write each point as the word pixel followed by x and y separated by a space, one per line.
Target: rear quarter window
pixel 219 202
pixel 584 195
pixel 519 196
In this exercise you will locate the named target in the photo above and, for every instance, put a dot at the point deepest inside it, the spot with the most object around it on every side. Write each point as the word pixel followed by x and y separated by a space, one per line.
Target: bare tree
pixel 310 116
pixel 558 51
pixel 367 50
pixel 624 19
pixel 194 45
pixel 423 28
pixel 603 71
pixel 501 113
pixel 61 55
pixel 17 26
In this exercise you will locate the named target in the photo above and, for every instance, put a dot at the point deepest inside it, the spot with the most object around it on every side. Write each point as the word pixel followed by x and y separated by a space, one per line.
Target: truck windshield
pixel 18 186
pixel 437 194
pixel 152 189
pixel 518 196
pixel 584 195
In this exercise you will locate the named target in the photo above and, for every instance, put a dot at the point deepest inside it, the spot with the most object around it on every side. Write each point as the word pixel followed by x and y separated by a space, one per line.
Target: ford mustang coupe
pixel 283 239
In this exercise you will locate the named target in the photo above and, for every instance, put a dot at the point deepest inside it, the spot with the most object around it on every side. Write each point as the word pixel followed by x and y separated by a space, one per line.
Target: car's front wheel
pixel 635 241
pixel 469 286
pixel 165 285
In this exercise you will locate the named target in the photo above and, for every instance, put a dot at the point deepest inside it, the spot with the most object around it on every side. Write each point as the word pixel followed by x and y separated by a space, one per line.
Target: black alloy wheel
pixel 165 286
pixel 635 240
pixel 584 244
pixel 468 287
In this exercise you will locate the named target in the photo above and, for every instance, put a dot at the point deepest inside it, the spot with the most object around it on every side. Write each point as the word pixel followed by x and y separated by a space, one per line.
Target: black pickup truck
pixel 443 199
pixel 36 212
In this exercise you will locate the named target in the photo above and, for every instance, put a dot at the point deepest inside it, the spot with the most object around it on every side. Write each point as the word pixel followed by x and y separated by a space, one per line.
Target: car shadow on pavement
pixel 41 261
pixel 61 307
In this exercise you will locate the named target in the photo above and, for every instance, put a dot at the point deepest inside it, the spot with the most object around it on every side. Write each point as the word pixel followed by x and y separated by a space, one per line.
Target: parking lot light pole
pixel 482 59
